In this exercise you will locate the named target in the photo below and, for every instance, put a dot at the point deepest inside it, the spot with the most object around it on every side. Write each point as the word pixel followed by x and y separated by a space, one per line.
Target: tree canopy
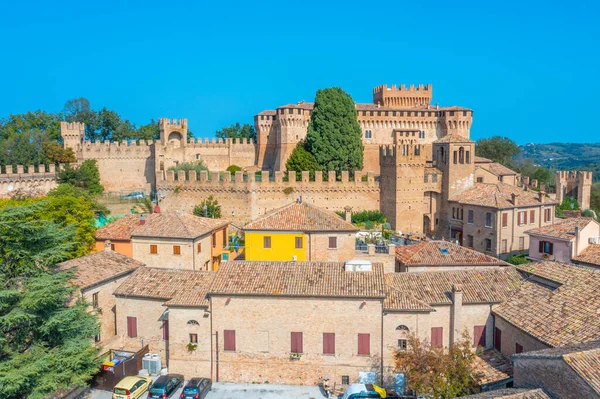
pixel 498 149
pixel 213 209
pixel 85 176
pixel 334 136
pixel 302 160
pixel 237 131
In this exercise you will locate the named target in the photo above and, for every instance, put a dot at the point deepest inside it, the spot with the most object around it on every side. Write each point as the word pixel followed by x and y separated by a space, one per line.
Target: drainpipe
pixel 211 335
pixel 381 340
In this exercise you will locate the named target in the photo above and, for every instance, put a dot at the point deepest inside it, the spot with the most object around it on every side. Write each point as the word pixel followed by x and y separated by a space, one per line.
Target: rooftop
pixel 175 287
pixel 305 279
pixel 499 195
pixel 482 160
pixel 491 366
pixel 554 316
pixel 453 138
pixel 370 107
pixel 497 169
pixel 563 229
pixel 435 288
pixel 177 225
pixel 511 393
pixel 590 255
pixel 443 253
pixel 300 217
pixel 95 268
pixel 119 230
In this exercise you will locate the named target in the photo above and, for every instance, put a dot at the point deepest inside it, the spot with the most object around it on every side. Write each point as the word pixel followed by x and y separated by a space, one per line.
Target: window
pixel 402 344
pixel 470 217
pixel 421 135
pixel 434 178
pixel 176 250
pixel 345 380
pixel 426 178
pixel 199 247
pixel 469 241
pixel 206 265
pixel 504 246
pixel 479 336
pixel 488 245
pixel 95 300
pixel 193 338
pixel 498 339
pixel 97 338
pixel 546 247
pixel 547 215
pixel 368 134
pixel 131 327
pixel 214 240
pixel 518 348
pixel 165 330
pixel 531 216
pixel 521 243
pixel 522 216
pixel 364 344
pixel 267 242
pixel 112 247
pixel 298 242
pixel 455 157
pixel 479 179
pixel 329 343
pixel 437 334
pixel 193 323
pixel 332 242
pixel 453 213
pixel 504 220
pixel 468 157
pixel 229 340
pixel 488 219
pixel 153 249
pixel 296 344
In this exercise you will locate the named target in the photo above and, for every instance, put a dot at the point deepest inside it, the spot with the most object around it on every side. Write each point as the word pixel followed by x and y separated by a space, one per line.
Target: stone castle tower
pixel 574 184
pixel 173 132
pixel 402 96
pixel 72 134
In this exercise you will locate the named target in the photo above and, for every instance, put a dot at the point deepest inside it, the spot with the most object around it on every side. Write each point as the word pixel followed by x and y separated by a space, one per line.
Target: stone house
pixel 180 241
pixel 442 256
pixel 300 231
pixel 557 306
pixel 144 316
pixel 487 171
pixel 564 240
pixel 97 276
pixel 119 234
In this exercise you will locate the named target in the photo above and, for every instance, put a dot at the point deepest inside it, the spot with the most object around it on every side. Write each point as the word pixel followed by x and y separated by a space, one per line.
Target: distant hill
pixel 563 156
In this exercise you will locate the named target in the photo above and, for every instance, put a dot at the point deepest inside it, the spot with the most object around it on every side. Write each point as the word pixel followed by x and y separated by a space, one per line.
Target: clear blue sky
pixel 530 70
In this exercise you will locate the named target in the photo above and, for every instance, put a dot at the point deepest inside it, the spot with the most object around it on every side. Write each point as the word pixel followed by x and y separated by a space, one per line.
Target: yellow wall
pixel 283 246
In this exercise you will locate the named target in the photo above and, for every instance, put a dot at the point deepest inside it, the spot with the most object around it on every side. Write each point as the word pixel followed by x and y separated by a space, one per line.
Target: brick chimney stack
pixel 515 199
pixel 107 246
pixel 142 220
pixel 541 196
pixel 348 211
pixel 456 313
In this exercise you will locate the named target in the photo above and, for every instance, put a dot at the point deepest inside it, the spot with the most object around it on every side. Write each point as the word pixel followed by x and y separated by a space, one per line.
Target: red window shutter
pixel 532 216
pixel 551 249
pixel 541 247
pixel 498 339
pixel 437 334
pixel 131 327
pixel 504 219
pixel 329 343
pixel 364 344
pixel 229 340
pixel 296 346
pixel 479 336
pixel 525 217
pixel 165 329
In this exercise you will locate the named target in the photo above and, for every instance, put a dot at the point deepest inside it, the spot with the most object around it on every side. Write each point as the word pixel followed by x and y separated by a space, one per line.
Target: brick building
pixel 119 234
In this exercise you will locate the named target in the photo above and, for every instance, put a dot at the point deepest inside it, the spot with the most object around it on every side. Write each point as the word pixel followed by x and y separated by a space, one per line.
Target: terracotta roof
pixel 453 138
pixel 498 195
pixel 590 255
pixel 435 288
pixel 268 112
pixel 563 229
pixel 371 107
pixel 306 279
pixel 177 225
pixel 482 160
pixel 491 366
pixel 443 253
pixel 584 360
pixel 498 169
pixel 175 287
pixel 511 393
pixel 563 314
pixel 397 300
pixel 97 267
pixel 118 230
pixel 300 217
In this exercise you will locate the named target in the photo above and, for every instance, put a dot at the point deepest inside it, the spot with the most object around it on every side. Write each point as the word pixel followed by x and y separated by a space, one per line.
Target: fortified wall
pixel 574 184
pixel 32 180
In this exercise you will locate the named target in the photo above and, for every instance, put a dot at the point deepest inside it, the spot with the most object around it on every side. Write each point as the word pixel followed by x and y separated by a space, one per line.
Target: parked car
pixel 133 196
pixel 196 388
pixel 165 385
pixel 131 387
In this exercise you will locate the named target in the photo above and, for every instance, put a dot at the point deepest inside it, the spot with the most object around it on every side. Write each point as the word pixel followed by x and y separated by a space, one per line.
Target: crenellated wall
pixel 576 184
pixel 31 180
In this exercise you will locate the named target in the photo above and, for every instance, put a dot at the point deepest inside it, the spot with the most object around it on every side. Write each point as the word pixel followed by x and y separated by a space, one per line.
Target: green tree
pixel 498 149
pixel 519 259
pixel 233 168
pixel 437 372
pixel 55 153
pixel 334 136
pixel 24 148
pixel 150 131
pixel 208 208
pixel 302 160
pixel 85 176
pixel 237 131
pixel 42 121
pixel 543 175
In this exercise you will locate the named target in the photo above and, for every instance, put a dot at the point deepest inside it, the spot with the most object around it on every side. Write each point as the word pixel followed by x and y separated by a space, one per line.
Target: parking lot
pixel 222 390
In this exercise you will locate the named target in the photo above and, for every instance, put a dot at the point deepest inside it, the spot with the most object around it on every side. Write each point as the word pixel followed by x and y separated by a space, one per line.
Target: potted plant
pixel 295 356
pixel 191 347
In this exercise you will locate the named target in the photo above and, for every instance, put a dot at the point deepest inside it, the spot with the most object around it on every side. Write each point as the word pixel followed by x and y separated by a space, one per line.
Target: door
pixel 498 339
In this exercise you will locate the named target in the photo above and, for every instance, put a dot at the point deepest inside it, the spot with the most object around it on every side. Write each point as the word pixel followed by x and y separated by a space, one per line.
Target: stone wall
pixel 189 257
pixel 195 363
pixel 31 180
pixel 511 336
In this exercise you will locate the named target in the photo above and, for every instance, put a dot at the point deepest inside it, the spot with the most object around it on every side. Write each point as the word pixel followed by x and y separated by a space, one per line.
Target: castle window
pixel 417 150
pixel 262 117
pixel 434 178
pixel 451 113
pixel 386 113
pixel 401 113
pixel 461 155
pixel 479 179
pixel 468 156
pixel 488 244
pixel 371 113
pixel 469 241
pixel 470 217
pixel 281 111
pixel 421 135
pixel 291 111
pixel 394 113
pixel 364 113
pixel 299 111
pixel 455 157
pixel 426 178
pixel 464 113
pixel 368 134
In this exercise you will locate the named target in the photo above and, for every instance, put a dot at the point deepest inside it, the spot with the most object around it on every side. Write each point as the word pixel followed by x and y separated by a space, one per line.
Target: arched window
pixel 402 327
pixel 162 165
pixel 468 157
pixel 193 323
pixel 461 155
pixel 368 134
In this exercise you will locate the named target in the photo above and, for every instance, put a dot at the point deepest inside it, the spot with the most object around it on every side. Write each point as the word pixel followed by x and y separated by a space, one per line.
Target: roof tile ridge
pixel 408 294
pixel 270 213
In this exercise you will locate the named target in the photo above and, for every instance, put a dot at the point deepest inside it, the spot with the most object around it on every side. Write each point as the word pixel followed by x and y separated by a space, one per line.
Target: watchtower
pixel 72 134
pixel 402 96
pixel 173 132
pixel 574 184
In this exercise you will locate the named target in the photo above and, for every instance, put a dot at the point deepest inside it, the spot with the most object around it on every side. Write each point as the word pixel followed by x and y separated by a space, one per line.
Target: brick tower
pixel 173 132
pixel 574 184
pixel 72 134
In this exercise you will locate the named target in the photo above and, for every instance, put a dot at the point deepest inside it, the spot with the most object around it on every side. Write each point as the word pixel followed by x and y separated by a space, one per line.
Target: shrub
pixel 519 259
pixel 374 216
pixel 197 166
pixel 233 169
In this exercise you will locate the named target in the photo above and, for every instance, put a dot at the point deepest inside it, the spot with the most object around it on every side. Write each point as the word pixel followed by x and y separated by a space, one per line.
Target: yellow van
pixel 131 387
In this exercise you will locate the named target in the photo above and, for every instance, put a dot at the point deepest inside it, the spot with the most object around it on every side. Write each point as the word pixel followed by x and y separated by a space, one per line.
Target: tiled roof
pixel 453 138
pixel 511 393
pixel 268 112
pixel 498 195
pixel 370 107
pixel 443 253
pixel 562 229
pixel 98 267
pixel 403 301
pixel 118 230
pixel 498 169
pixel 177 225
pixel 300 217
pixel 565 315
pixel 482 160
pixel 435 288
pixel 175 287
pixel 590 255
pixel 491 366
pixel 320 279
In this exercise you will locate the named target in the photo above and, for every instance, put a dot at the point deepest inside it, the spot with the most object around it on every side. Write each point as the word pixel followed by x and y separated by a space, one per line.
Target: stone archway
pixel 176 138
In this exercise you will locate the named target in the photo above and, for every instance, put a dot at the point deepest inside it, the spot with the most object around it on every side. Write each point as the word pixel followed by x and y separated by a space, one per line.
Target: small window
pixel 546 247
pixel 518 348
pixel 199 247
pixel 95 300
pixel 479 179
pixel 193 323
pixel 434 178
pixel 479 336
pixel 364 344
pixel 112 247
pixel 470 216
pixel 176 250
pixel 131 327
pixel 296 342
pixel 298 242
pixel 153 249
pixel 521 243
pixel 488 219
pixel 402 345
pixel 437 337
pixel 505 220
pixel 193 338
pixel 345 380
pixel 332 242
pixel 426 178
pixel 97 338
pixel 267 242
pixel 488 245
pixel 469 241
pixel 531 216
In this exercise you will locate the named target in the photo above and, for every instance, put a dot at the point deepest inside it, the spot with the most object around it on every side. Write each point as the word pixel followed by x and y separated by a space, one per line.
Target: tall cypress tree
pixel 334 136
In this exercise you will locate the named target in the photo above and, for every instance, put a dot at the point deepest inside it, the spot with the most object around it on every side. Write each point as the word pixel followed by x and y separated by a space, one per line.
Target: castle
pixel 418 160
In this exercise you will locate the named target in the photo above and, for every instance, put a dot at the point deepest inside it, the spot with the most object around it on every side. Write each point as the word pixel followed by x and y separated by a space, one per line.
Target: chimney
pixel 107 246
pixel 456 313
pixel 576 249
pixel 142 220
pixel 541 196
pixel 348 211
pixel 515 199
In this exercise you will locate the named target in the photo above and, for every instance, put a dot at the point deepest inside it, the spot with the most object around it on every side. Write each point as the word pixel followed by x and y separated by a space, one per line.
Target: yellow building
pixel 300 231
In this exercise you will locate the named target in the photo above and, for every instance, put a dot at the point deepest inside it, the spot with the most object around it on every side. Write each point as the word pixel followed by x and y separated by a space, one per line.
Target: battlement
pixel 403 88
pixel 403 96
pixel 572 176
pixel 24 171
pixel 406 151
pixel 173 123
pixel 71 127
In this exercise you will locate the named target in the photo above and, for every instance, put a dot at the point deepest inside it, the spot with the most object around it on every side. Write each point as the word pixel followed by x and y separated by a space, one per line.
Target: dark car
pixel 165 385
pixel 196 388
